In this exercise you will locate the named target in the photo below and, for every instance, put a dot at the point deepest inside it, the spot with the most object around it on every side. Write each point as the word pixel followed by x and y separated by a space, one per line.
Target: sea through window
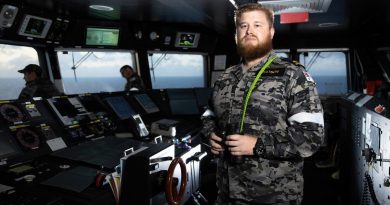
pixel 89 71
pixel 172 70
pixel 328 69
pixel 12 59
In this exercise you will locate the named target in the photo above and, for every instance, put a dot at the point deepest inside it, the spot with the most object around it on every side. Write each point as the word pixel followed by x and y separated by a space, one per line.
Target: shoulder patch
pixel 308 76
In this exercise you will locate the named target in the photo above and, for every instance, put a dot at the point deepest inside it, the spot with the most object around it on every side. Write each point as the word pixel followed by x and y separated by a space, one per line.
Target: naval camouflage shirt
pixel 285 113
pixel 39 88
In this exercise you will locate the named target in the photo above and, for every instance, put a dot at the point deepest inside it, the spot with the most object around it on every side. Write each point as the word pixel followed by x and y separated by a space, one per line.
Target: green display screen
pixel 102 36
pixel 187 40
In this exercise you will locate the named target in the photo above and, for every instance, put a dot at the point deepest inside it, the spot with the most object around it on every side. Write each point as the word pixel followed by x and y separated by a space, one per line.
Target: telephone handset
pixel 141 128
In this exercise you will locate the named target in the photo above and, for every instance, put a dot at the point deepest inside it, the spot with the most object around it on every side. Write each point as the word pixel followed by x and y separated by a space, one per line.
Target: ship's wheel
pixel 173 197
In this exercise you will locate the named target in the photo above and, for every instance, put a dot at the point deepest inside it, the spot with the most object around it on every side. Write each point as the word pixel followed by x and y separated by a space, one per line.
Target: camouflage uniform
pixel 134 82
pixel 38 88
pixel 285 113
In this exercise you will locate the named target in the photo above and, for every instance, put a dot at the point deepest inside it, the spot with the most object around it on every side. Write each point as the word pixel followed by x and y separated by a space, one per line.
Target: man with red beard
pixel 266 116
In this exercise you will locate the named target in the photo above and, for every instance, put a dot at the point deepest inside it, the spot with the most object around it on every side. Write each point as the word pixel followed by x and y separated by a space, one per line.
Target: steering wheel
pixel 174 198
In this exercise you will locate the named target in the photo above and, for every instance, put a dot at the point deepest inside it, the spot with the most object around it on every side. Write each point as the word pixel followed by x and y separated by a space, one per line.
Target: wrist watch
pixel 259 148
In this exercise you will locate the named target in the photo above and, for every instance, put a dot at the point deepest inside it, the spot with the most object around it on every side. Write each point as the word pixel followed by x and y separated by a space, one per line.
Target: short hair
pixel 253 7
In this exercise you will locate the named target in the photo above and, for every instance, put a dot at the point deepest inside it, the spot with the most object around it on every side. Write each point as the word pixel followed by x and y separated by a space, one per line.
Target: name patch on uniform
pixel 274 72
pixel 308 77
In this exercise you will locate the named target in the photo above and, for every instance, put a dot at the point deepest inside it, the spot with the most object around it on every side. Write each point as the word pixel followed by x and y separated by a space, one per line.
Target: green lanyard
pixel 248 95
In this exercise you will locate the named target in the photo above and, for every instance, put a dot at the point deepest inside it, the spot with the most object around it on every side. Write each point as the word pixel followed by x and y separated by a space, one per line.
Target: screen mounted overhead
pixel 187 40
pixel 102 36
pixel 34 26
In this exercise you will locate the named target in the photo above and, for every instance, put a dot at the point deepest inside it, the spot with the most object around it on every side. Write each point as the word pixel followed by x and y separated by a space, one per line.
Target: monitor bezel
pixel 27 19
pixel 195 43
pixel 87 28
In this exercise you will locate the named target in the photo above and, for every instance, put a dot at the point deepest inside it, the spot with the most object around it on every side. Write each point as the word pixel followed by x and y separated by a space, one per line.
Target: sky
pixel 14 58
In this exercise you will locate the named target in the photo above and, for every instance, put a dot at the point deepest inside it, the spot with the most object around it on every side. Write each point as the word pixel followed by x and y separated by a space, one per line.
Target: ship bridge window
pixel 12 59
pixel 89 71
pixel 328 69
pixel 282 53
pixel 173 70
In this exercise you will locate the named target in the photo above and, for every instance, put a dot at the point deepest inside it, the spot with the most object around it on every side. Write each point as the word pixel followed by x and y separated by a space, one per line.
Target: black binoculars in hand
pixel 223 133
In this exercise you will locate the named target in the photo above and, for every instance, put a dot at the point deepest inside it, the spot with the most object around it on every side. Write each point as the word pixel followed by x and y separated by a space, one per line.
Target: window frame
pixel 346 51
pixel 205 58
pixel 132 53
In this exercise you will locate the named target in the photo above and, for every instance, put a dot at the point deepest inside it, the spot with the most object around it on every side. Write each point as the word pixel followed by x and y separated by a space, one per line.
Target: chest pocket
pixel 268 102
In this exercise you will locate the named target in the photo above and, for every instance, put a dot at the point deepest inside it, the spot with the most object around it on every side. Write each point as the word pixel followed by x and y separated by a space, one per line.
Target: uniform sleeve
pixel 305 131
pixel 46 90
pixel 208 117
pixel 27 92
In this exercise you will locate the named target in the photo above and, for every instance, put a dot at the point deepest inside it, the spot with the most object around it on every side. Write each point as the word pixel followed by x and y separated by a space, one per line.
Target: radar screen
pixel 11 113
pixel 27 137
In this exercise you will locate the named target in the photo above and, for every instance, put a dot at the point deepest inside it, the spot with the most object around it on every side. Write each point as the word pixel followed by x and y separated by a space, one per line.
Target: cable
pixel 368 191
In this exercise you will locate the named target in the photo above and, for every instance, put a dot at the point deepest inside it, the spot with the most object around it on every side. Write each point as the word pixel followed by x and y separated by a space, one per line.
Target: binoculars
pixel 234 160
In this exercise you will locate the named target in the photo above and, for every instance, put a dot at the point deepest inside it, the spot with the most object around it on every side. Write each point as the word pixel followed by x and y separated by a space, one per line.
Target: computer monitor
pixel 187 40
pixel 146 103
pixel 102 36
pixel 66 109
pixel 92 103
pixel 182 102
pixel 120 106
pixel 34 26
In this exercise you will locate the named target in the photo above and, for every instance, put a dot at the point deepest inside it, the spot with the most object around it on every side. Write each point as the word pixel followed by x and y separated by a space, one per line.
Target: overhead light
pixel 288 6
pixel 327 25
pixel 101 7
pixel 234 3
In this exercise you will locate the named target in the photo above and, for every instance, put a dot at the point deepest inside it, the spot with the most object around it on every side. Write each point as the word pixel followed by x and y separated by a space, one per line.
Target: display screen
pixel 187 40
pixel 102 36
pixel 65 107
pixel 182 102
pixel 92 104
pixel 147 104
pixel 34 26
pixel 121 107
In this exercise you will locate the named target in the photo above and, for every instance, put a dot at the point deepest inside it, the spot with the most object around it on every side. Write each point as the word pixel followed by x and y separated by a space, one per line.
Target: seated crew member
pixel 134 82
pixel 36 86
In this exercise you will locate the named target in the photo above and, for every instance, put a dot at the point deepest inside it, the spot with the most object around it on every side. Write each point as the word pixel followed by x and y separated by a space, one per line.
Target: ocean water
pixel 92 85
pixel 11 87
pixel 331 85
pixel 178 82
